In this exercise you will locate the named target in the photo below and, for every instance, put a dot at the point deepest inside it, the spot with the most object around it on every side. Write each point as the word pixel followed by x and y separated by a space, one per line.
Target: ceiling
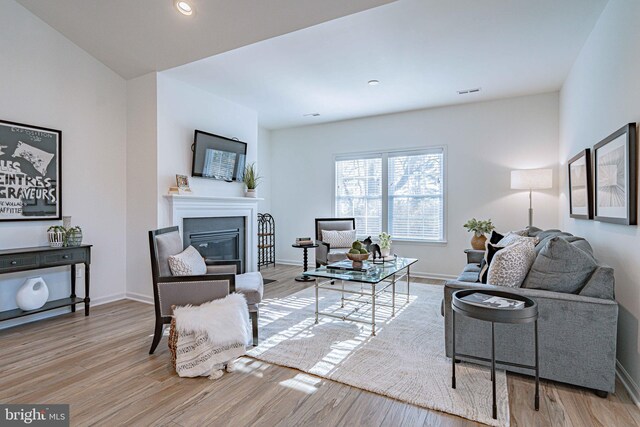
pixel 135 37
pixel 422 51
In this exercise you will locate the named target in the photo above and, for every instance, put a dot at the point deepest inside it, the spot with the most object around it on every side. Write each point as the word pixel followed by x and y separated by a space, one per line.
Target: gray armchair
pixel 222 278
pixel 325 254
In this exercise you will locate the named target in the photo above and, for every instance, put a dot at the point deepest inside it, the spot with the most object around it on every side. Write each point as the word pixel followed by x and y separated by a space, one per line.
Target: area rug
pixel 405 360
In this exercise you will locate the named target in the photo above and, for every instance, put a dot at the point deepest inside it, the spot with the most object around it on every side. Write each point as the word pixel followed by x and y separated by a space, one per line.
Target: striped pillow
pixel 339 238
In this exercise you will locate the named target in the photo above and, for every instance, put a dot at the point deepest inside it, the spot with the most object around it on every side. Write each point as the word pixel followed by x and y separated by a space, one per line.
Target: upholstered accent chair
pixel 221 279
pixel 325 254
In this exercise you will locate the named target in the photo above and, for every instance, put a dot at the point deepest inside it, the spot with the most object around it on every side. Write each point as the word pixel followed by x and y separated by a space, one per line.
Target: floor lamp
pixel 531 179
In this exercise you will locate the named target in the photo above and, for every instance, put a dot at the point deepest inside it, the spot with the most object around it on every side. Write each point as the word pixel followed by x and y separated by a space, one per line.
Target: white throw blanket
pixel 211 335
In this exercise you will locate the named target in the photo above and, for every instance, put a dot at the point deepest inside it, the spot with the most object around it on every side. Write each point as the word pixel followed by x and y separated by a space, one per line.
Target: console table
pixel 25 259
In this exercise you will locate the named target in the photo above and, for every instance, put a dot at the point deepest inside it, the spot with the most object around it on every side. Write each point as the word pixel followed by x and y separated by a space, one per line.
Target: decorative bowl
pixel 358 257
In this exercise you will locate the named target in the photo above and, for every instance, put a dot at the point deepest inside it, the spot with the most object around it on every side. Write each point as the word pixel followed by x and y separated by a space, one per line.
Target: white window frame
pixel 384 155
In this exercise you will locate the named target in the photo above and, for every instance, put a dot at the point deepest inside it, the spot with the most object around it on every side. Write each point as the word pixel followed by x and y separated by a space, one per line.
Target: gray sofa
pixel 577 331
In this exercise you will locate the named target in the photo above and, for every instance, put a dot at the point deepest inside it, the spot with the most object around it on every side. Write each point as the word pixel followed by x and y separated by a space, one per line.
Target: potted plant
pixel 479 228
pixel 56 235
pixel 384 240
pixel 74 236
pixel 251 180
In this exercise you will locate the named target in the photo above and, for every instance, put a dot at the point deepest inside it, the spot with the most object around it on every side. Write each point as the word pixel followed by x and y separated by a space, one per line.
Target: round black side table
pixel 305 259
pixel 526 314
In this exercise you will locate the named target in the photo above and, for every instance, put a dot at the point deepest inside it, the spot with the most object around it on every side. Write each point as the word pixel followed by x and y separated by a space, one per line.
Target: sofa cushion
pixel 510 265
pixel 339 238
pixel 468 276
pixel 489 253
pixel 560 267
pixel 495 237
pixel 600 284
pixel 168 244
pixel 187 263
pixel 513 237
pixel 251 286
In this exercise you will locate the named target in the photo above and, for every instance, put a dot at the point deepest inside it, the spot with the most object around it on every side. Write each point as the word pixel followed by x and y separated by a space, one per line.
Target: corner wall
pixel 600 95
pixel 484 142
pixel 46 80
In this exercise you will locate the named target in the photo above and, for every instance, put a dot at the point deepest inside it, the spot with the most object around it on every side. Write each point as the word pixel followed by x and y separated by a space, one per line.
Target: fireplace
pixel 216 238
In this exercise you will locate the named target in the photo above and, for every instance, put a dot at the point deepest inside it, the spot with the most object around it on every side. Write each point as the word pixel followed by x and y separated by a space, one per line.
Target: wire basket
pixel 56 238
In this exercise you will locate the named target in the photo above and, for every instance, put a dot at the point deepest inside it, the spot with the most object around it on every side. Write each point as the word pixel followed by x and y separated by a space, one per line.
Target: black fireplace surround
pixel 217 238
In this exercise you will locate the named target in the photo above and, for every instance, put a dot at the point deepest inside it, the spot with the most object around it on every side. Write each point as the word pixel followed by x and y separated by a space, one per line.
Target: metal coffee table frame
pixel 527 314
pixel 364 298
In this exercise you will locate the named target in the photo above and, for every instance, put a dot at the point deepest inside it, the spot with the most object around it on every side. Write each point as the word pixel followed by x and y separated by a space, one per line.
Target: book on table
pixel 485 300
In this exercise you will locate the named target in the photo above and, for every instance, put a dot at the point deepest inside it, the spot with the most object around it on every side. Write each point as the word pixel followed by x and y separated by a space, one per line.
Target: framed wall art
pixel 30 173
pixel 580 188
pixel 615 177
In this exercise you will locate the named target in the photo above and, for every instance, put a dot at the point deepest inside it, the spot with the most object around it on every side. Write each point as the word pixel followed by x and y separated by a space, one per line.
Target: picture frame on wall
pixel 30 172
pixel 615 177
pixel 580 186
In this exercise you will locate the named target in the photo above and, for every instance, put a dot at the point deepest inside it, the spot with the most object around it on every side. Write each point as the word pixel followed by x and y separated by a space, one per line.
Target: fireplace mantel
pixel 197 206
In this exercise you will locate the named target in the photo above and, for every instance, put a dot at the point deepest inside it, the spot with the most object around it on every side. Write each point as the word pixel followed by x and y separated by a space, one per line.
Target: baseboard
pixel 134 296
pixel 291 262
pixel 628 383
pixel 104 300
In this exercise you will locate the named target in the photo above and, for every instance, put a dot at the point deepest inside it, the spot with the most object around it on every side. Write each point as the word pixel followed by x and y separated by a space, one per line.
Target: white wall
pixel 264 169
pixel 45 80
pixel 484 142
pixel 142 182
pixel 182 109
pixel 601 94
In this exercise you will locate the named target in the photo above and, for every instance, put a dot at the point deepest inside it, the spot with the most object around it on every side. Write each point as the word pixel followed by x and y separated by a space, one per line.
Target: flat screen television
pixel 217 157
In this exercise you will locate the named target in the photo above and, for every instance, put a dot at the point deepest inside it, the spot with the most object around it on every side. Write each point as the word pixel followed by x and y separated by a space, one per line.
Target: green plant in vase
pixel 56 235
pixel 479 229
pixel 73 236
pixel 251 179
pixel 384 240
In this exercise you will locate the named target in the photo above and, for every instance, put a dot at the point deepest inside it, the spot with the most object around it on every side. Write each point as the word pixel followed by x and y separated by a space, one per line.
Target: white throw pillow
pixel 187 263
pixel 510 266
pixel 339 238
pixel 514 237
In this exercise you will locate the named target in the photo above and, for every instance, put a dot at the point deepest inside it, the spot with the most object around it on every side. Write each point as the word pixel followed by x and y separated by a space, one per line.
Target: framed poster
pixel 615 177
pixel 30 173
pixel 580 189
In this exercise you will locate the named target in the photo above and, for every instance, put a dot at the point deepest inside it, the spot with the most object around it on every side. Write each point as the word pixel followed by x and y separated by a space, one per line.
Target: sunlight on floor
pixel 302 382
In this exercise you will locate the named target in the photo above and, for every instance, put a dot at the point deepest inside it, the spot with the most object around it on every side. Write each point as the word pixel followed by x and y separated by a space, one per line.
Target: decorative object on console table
pixel 30 176
pixel 615 177
pixel 74 236
pixel 531 179
pixel 33 294
pixel 580 189
pixel 56 236
pixel 479 229
pixel 251 180
pixel 305 262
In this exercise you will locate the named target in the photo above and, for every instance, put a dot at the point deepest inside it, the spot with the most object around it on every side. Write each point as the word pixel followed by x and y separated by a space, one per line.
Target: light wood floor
pixel 100 365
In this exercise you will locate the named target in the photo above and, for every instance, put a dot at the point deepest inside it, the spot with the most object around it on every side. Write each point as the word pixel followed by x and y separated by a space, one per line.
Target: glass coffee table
pixel 375 279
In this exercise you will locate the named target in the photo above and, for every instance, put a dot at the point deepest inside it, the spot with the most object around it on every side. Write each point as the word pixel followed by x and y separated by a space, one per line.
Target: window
pixel 401 193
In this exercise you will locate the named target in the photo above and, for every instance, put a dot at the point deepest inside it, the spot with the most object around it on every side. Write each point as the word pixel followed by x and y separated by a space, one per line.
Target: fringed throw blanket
pixel 210 335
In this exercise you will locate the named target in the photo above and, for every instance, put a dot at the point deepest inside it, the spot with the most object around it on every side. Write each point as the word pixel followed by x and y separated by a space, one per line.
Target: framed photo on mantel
pixel 615 177
pixel 30 173
pixel 580 189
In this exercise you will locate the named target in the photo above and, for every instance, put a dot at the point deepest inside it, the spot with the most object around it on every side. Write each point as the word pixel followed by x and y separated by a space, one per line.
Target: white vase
pixel 251 193
pixel 32 294
pixel 385 252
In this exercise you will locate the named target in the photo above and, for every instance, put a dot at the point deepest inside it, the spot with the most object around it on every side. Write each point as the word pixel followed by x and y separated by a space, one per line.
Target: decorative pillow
pixel 490 251
pixel 560 267
pixel 511 264
pixel 339 238
pixel 512 238
pixel 495 237
pixel 187 263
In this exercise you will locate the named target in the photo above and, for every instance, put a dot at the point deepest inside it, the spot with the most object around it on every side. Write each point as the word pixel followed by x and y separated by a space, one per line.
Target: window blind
pixel 359 193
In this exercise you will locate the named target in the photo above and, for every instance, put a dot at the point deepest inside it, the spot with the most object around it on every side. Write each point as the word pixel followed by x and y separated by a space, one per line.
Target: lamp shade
pixel 531 179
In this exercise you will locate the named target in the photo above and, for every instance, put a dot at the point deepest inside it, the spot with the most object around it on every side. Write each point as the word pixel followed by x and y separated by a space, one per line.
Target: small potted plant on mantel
pixel 251 180
pixel 479 229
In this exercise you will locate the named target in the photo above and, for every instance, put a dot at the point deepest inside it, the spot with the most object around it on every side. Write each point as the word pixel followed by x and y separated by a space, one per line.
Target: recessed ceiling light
pixel 374 82
pixel 311 115
pixel 184 7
